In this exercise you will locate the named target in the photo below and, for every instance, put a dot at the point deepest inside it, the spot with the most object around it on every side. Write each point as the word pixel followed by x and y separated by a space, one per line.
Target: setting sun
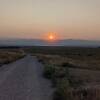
pixel 51 36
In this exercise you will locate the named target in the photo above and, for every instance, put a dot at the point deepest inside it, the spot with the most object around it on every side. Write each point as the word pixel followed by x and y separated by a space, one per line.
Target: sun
pixel 51 36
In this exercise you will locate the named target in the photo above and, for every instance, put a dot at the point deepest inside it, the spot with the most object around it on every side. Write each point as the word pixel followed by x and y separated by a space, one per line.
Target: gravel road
pixel 23 80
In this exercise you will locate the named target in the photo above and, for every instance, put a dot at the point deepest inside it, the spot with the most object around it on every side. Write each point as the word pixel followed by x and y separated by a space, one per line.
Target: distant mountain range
pixel 38 42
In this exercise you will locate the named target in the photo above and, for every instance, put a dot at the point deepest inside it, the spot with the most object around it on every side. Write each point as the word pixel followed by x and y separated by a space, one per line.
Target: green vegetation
pixel 49 71
pixel 60 78
pixel 62 90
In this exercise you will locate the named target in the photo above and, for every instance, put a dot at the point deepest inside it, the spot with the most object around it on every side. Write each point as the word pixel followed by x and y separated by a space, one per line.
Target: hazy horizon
pixel 60 39
pixel 33 19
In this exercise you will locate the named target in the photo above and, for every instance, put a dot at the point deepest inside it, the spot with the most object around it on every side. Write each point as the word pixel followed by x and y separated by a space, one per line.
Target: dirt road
pixel 23 80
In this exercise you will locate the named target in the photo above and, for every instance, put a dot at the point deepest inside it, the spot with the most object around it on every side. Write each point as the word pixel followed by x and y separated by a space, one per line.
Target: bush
pixel 74 82
pixel 59 74
pixel 62 91
pixel 49 71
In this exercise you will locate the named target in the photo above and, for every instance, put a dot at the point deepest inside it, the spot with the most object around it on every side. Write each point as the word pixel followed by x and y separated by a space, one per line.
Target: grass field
pixel 74 71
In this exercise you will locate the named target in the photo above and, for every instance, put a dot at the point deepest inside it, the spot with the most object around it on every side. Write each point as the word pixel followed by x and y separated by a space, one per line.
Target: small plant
pixel 49 71
pixel 62 91
pixel 59 74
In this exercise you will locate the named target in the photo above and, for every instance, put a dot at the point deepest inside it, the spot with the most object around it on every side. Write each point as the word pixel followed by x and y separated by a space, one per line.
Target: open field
pixel 84 63
pixel 80 56
pixel 71 69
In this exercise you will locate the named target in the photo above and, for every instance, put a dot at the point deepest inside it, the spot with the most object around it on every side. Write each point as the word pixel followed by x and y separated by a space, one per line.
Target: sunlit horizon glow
pixel 51 36
pixel 32 19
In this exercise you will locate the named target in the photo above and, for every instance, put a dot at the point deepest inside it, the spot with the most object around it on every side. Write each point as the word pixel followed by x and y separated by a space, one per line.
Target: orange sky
pixel 69 19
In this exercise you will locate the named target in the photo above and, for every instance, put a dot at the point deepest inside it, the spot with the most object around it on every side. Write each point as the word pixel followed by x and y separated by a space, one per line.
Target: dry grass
pixel 7 56
pixel 81 69
pixel 83 77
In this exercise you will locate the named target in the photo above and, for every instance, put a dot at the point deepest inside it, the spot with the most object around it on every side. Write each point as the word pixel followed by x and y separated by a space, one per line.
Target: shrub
pixel 59 74
pixel 49 71
pixel 62 91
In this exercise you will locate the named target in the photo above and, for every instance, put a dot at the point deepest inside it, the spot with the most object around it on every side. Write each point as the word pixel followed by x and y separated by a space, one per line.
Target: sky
pixel 69 19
